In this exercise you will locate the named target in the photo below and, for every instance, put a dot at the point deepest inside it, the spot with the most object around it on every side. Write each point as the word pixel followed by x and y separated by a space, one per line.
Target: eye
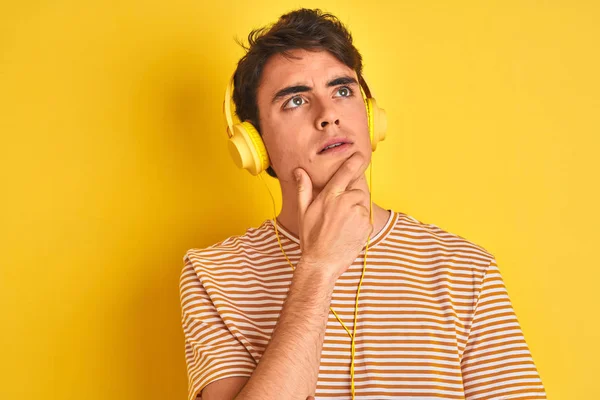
pixel 345 91
pixel 295 102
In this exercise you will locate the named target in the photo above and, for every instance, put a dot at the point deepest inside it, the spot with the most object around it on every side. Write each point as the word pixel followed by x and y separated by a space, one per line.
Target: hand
pixel 334 226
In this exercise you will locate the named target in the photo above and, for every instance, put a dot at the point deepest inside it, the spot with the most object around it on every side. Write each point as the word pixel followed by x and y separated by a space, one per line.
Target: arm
pixel 289 367
pixel 223 389
pixel 226 389
pixel 333 227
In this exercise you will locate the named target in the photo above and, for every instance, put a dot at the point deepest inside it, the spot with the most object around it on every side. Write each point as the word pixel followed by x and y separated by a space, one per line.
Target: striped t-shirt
pixel 434 320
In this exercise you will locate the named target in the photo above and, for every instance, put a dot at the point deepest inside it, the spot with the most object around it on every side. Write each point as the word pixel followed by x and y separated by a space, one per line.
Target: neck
pixel 288 217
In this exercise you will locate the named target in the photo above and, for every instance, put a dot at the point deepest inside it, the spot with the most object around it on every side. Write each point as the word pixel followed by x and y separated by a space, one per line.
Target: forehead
pixel 310 68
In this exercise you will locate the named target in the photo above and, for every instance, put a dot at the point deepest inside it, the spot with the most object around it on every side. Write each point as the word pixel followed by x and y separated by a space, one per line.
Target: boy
pixel 434 320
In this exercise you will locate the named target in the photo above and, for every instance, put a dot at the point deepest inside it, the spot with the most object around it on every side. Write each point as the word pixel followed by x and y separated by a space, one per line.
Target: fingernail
pixel 297 175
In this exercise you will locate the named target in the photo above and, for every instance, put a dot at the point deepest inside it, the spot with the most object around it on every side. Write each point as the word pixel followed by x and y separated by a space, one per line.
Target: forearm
pixel 289 367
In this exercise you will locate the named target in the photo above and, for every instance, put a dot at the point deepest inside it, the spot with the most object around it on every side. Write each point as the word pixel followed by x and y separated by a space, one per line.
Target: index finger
pixel 352 169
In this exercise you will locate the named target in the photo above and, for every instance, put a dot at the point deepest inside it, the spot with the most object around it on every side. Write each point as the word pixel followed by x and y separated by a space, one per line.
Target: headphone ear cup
pixel 377 122
pixel 247 148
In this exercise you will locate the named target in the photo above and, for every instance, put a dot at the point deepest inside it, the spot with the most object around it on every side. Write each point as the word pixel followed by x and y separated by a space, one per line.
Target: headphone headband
pixel 227 107
pixel 363 84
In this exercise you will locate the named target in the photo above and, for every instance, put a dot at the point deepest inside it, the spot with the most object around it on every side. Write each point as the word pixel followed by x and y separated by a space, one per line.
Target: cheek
pixel 359 120
pixel 283 150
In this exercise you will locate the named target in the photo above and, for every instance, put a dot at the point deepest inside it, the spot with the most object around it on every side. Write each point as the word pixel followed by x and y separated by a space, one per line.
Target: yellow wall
pixel 114 162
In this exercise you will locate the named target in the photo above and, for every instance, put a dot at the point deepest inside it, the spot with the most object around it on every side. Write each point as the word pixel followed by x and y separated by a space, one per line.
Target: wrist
pixel 315 273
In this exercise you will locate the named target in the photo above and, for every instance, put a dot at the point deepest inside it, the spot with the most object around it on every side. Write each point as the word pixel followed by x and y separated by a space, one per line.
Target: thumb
pixel 304 186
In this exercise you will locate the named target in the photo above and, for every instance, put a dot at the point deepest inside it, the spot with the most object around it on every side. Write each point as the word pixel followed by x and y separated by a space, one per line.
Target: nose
pixel 327 116
pixel 325 123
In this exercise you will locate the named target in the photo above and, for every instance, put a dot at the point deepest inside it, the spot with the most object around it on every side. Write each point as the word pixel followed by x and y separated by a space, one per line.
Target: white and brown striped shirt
pixel 434 321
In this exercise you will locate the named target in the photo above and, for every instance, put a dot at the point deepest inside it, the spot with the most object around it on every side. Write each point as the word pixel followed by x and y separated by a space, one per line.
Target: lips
pixel 334 142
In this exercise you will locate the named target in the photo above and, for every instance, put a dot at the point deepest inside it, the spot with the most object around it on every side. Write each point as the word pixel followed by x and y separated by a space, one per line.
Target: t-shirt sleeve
pixel 212 352
pixel 496 363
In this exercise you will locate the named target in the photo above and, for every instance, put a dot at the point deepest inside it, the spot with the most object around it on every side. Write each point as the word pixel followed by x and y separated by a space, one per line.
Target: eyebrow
pixel 341 80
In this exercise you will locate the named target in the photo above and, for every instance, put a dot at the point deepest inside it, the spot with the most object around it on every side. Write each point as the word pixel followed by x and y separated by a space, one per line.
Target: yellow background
pixel 114 163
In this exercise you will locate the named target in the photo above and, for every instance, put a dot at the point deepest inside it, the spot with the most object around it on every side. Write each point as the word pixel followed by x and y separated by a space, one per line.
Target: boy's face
pixel 298 123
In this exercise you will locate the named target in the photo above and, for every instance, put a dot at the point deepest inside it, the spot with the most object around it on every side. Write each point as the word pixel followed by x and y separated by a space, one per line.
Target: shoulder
pixel 430 237
pixel 254 242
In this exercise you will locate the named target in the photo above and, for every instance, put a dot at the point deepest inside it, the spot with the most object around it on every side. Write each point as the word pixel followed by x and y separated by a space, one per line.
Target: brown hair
pixel 300 29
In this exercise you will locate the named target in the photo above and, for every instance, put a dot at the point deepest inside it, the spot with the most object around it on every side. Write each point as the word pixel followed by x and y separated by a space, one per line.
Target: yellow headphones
pixel 248 149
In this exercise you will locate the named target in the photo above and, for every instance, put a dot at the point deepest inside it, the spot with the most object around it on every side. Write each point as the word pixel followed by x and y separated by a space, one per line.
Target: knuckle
pixel 329 197
pixel 364 210
pixel 356 163
pixel 349 165
pixel 335 196
pixel 345 201
pixel 358 159
pixel 358 209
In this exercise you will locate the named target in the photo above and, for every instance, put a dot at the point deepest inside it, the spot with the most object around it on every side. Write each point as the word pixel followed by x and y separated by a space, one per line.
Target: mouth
pixel 335 146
